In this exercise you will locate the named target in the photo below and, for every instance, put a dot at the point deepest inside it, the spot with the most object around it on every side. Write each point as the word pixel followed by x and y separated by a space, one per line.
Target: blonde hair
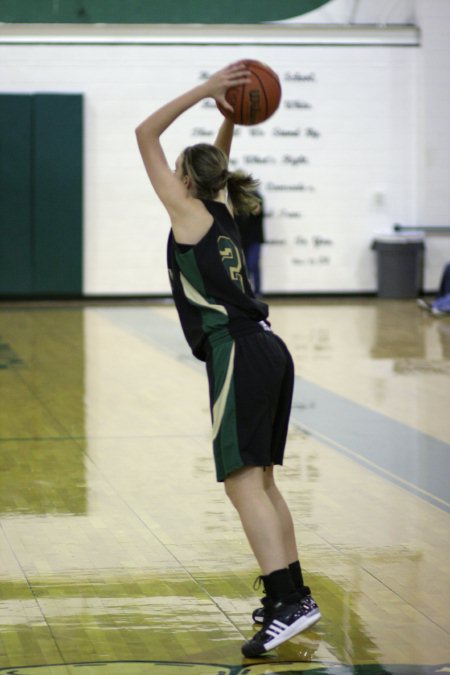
pixel 207 167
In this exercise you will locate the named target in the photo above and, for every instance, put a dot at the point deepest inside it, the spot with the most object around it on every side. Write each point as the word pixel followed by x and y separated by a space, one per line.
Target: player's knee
pixel 241 483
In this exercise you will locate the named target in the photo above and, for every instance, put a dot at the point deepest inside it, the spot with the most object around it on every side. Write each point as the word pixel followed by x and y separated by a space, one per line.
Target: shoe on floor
pixel 282 622
pixel 423 304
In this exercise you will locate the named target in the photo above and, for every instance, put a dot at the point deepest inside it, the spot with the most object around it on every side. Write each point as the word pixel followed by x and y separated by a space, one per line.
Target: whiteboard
pixel 336 162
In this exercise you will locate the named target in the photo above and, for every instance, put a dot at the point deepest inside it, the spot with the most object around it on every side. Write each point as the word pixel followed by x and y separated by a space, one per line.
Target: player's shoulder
pixel 190 220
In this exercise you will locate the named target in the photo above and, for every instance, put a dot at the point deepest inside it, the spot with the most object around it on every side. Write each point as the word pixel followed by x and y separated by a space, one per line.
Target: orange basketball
pixel 257 100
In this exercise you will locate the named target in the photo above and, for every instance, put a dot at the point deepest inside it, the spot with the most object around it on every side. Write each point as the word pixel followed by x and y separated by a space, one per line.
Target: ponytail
pixel 207 167
pixel 241 190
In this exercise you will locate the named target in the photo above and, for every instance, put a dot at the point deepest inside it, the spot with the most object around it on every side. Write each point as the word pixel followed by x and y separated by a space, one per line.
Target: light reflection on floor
pixel 118 552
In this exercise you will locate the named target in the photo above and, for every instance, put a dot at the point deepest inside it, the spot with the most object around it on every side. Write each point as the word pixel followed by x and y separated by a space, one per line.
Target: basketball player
pixel 250 370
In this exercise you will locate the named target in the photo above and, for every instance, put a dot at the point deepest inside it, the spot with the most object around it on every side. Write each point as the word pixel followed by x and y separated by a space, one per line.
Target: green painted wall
pixel 153 11
pixel 41 153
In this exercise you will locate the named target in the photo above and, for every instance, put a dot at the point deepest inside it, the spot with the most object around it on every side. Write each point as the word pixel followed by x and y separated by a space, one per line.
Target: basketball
pixel 255 101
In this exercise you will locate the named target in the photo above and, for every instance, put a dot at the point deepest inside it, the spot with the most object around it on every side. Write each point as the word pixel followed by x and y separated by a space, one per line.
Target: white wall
pixel 431 101
pixel 433 137
pixel 381 155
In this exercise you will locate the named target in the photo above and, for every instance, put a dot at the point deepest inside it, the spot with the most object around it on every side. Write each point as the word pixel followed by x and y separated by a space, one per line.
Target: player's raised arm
pixel 224 137
pixel 166 183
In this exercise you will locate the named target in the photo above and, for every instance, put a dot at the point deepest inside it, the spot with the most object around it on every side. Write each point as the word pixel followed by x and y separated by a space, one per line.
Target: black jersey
pixel 209 282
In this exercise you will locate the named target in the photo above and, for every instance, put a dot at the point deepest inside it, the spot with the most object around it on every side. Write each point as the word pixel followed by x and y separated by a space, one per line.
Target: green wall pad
pixel 16 272
pixel 41 156
pixel 57 208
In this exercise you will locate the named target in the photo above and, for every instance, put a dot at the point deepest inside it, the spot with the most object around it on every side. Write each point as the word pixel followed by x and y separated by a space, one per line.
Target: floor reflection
pixel 119 552
pixel 41 413
pixel 42 477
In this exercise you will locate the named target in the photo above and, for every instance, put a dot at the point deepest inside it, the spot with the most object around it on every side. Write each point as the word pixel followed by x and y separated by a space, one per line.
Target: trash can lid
pixel 404 238
pixel 394 242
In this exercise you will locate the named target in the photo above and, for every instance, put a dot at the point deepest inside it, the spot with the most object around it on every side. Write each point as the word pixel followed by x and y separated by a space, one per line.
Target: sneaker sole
pixel 303 623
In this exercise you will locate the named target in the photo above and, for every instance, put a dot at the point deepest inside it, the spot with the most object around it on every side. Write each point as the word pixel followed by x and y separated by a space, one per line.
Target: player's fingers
pixel 237 69
pixel 238 77
pixel 224 103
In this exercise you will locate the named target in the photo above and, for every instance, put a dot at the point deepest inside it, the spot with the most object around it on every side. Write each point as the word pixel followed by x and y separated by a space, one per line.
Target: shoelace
pixel 259 581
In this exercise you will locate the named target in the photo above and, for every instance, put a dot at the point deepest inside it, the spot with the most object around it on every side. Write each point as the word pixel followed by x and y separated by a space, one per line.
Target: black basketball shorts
pixel 251 381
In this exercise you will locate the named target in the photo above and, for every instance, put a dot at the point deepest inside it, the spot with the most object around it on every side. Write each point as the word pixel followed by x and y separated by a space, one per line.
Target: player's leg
pixel 444 287
pixel 286 612
pixel 252 255
pixel 284 515
pixel 259 517
pixel 294 564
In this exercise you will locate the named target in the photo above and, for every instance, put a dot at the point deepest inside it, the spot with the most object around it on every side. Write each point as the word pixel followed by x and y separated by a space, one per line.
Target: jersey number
pixel 231 258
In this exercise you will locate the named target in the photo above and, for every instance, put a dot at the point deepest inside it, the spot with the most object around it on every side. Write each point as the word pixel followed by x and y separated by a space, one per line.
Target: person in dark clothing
pixel 249 368
pixel 251 228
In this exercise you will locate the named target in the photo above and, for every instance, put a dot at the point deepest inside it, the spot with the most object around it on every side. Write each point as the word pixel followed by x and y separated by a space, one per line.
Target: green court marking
pixel 268 667
pixel 8 357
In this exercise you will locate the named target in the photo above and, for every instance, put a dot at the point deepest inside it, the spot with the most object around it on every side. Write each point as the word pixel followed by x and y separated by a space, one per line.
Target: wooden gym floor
pixel 118 551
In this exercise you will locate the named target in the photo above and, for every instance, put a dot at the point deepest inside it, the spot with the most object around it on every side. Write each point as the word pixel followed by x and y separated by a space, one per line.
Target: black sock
pixel 297 577
pixel 279 585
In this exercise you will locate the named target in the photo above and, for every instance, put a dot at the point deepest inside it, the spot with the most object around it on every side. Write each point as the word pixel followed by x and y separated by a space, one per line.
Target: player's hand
pixel 217 85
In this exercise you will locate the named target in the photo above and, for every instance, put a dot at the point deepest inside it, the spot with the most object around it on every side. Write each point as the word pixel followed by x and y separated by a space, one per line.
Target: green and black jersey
pixel 250 371
pixel 210 284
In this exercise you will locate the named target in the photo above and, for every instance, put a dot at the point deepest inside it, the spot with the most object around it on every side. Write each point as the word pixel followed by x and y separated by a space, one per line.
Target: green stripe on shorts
pixel 225 438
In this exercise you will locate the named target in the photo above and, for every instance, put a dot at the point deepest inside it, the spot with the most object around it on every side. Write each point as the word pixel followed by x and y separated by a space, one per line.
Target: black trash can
pixel 399 266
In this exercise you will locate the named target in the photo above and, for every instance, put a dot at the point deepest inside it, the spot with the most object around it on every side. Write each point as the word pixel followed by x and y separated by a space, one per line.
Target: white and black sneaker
pixel 259 614
pixel 424 304
pixel 282 622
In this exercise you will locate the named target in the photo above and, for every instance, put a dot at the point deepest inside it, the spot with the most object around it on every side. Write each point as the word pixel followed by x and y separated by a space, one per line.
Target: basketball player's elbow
pixel 144 138
pixel 145 132
pixel 140 140
pixel 140 132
